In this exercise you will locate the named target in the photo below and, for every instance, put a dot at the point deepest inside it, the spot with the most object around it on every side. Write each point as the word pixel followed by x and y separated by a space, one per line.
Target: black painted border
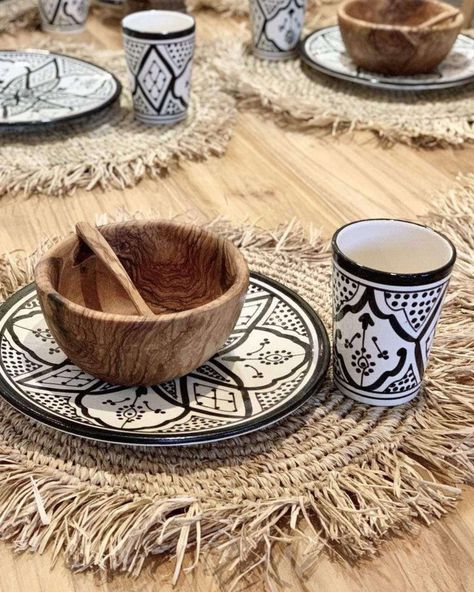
pixel 385 277
pixel 378 84
pixel 30 125
pixel 160 36
pixel 116 437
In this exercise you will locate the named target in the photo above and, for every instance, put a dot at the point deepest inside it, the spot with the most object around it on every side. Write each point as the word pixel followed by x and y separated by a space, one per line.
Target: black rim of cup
pixel 171 35
pixel 392 278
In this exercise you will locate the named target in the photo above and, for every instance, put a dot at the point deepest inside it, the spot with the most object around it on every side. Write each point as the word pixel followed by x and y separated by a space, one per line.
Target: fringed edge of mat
pixel 210 135
pixel 347 514
pixel 303 115
pixel 18 14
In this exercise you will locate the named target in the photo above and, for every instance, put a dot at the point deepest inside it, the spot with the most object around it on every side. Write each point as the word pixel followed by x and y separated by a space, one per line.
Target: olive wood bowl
pixel 398 37
pixel 192 280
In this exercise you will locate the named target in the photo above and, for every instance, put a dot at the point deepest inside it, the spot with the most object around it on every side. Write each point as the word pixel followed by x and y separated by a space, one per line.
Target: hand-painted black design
pixel 324 51
pixel 382 337
pixel 160 71
pixel 63 15
pixel 276 26
pixel 43 88
pixel 260 360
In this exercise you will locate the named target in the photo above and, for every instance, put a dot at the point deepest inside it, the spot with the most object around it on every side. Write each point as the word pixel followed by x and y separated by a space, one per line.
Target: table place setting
pixel 323 89
pixel 195 443
pixel 100 120
pixel 209 392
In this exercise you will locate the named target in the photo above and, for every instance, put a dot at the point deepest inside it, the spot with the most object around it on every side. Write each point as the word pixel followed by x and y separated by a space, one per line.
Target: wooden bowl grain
pixel 388 36
pixel 193 280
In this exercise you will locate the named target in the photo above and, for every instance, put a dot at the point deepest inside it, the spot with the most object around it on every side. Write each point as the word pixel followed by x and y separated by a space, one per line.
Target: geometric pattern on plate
pixel 267 363
pixel 40 87
pixel 325 50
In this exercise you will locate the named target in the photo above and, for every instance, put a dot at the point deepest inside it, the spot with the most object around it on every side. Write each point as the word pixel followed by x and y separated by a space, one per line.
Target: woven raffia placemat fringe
pixel 18 14
pixel 113 149
pixel 335 475
pixel 319 13
pixel 300 98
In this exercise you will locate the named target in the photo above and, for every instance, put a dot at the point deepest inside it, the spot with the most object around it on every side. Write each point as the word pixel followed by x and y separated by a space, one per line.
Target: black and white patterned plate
pixel 39 88
pixel 273 361
pixel 324 51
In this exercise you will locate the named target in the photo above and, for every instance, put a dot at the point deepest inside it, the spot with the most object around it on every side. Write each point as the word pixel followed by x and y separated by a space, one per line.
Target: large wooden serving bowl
pixel 389 36
pixel 194 281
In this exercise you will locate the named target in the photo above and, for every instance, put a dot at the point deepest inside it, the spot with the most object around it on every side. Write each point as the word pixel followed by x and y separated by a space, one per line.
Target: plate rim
pixel 65 118
pixel 385 85
pixel 99 434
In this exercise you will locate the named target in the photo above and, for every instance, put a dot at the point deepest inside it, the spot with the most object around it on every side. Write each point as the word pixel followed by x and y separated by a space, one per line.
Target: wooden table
pixel 268 176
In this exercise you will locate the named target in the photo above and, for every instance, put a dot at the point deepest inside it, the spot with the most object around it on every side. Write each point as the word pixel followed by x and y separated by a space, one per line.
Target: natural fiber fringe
pixel 300 99
pixel 316 10
pixel 114 150
pixel 347 511
pixel 19 14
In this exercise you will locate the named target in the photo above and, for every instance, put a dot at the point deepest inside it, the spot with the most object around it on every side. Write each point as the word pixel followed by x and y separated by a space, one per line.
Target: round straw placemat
pixel 336 474
pixel 113 149
pixel 303 99
pixel 18 14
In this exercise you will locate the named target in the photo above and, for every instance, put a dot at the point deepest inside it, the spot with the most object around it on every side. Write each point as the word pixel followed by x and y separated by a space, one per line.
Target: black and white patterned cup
pixel 276 27
pixel 389 281
pixel 63 16
pixel 159 49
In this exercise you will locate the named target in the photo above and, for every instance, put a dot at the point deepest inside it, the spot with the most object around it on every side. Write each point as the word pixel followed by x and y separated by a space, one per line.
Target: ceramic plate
pixel 40 88
pixel 324 51
pixel 274 360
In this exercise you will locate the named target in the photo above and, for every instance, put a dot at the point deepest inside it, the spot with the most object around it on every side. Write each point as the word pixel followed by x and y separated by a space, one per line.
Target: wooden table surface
pixel 268 176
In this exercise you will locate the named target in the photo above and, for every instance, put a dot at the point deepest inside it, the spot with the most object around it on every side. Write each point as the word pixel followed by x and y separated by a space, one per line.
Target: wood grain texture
pixel 398 36
pixel 192 280
pixel 269 176
pixel 93 243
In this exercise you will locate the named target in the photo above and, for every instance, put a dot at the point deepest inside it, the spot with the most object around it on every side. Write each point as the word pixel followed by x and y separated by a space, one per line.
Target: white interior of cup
pixel 394 246
pixel 158 21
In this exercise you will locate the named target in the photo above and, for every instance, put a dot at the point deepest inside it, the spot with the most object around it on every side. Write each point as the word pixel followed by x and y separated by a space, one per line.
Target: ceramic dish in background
pixel 398 37
pixel 40 88
pixel 324 51
pixel 273 361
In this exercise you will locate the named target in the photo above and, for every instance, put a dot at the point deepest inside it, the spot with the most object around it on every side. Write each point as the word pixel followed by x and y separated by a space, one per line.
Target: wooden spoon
pixel 439 18
pixel 93 239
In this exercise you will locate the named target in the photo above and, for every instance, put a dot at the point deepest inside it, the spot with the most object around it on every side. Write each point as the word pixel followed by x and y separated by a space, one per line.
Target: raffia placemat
pixel 114 149
pixel 319 13
pixel 303 99
pixel 335 475
pixel 18 14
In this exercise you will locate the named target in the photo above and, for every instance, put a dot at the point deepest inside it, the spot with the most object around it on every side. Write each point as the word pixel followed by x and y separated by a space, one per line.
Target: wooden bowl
pixel 194 281
pixel 389 36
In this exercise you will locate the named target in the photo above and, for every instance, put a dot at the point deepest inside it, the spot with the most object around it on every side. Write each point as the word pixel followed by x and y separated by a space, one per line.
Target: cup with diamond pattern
pixel 63 16
pixel 390 279
pixel 159 49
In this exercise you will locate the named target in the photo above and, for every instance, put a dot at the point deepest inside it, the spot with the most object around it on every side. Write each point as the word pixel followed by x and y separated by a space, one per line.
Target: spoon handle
pixel 439 18
pixel 93 238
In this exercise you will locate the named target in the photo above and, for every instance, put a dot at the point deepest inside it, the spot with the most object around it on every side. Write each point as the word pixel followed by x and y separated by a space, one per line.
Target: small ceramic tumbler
pixel 276 27
pixel 389 281
pixel 63 16
pixel 159 49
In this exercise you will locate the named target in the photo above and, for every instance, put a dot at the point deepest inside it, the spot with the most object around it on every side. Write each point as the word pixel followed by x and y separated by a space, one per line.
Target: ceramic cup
pixel 389 281
pixel 159 48
pixel 63 16
pixel 276 27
